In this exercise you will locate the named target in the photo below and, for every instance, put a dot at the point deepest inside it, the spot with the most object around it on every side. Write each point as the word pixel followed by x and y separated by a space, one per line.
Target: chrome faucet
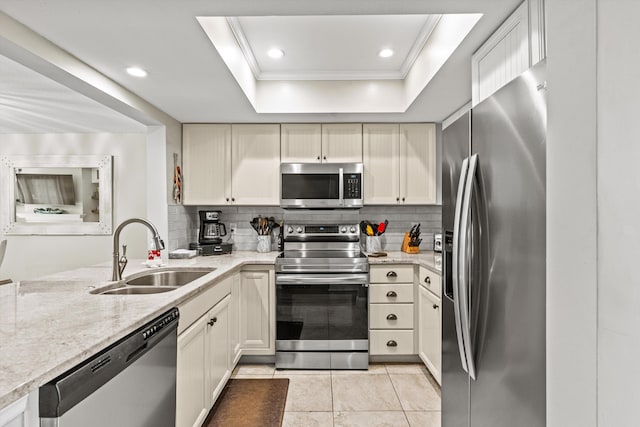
pixel 119 263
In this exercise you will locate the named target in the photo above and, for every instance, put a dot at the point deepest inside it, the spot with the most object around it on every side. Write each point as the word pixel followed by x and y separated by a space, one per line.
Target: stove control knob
pixel 343 230
pixel 289 229
pixel 299 230
pixel 352 230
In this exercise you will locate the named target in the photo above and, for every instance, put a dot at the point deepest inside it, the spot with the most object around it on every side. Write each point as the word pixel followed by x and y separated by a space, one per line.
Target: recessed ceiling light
pixel 275 53
pixel 385 53
pixel 137 72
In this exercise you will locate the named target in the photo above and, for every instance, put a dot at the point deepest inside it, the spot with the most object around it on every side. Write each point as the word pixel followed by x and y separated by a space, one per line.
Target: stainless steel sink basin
pixel 154 281
pixel 138 291
pixel 166 278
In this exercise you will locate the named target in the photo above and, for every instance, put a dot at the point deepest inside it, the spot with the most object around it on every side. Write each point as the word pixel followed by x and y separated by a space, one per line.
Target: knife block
pixel 409 249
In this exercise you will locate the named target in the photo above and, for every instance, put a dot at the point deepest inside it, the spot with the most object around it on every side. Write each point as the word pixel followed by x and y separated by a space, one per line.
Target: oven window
pixel 311 186
pixel 321 312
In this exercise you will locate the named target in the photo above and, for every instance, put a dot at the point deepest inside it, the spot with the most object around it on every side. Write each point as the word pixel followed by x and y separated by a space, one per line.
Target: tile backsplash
pixel 184 225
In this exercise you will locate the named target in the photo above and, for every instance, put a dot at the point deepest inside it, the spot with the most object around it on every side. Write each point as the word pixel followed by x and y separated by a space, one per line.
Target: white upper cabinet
pixel 255 164
pixel 381 149
pixel 418 163
pixel 231 164
pixel 301 143
pixel 206 154
pixel 515 46
pixel 321 143
pixel 342 142
pixel 399 163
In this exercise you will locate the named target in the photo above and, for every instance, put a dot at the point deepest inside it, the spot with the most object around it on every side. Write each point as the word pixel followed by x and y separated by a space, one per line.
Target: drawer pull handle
pixel 392 294
pixel 435 306
pixel 392 274
pixel 392 343
pixel 392 317
pixel 427 279
pixel 212 321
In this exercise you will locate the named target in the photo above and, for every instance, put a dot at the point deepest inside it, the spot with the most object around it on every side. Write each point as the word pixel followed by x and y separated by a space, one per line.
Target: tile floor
pixel 389 395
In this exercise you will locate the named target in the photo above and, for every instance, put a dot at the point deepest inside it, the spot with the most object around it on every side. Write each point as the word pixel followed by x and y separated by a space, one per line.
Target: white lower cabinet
pixel 257 315
pixel 430 331
pixel 391 310
pixel 203 360
pixel 236 350
pixel 21 413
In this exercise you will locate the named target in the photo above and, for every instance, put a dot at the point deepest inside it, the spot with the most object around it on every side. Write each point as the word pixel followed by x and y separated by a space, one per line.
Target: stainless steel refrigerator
pixel 493 316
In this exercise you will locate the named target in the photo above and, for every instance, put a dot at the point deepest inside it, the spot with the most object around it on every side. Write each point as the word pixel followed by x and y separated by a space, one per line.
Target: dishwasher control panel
pixel 160 324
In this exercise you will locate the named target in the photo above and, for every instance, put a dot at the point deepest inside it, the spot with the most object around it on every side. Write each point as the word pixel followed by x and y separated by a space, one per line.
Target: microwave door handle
pixel 341 186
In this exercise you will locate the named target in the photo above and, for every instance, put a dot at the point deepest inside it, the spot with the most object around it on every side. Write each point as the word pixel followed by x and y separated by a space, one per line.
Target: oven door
pixel 322 312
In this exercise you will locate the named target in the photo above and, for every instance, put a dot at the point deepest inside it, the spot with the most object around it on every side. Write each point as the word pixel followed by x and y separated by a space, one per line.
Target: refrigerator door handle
pixel 455 267
pixel 463 283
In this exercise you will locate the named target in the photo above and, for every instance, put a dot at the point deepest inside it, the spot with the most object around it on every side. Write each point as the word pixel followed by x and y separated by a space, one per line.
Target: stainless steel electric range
pixel 322 298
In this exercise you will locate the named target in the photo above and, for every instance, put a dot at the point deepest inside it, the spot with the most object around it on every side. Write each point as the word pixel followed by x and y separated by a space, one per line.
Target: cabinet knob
pixel 227 199
pixel 427 279
pixel 392 294
pixel 318 157
pixel 212 321
pixel 403 199
pixel 392 343
pixel 233 199
pixel 392 274
pixel 397 199
pixel 435 306
pixel 392 317
pixel 324 158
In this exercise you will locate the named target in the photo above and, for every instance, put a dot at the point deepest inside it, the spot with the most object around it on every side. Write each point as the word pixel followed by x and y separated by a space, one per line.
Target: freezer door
pixel 509 137
pixel 455 381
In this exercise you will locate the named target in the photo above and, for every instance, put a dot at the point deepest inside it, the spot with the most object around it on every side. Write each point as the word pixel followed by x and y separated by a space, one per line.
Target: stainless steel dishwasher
pixel 132 383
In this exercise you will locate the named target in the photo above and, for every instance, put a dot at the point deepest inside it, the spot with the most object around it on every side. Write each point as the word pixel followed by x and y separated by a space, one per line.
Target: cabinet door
pixel 341 142
pixel 430 331
pixel 381 163
pixel 255 164
pixel 192 400
pixel 255 317
pixel 301 143
pixel 417 163
pixel 235 320
pixel 218 348
pixel 206 161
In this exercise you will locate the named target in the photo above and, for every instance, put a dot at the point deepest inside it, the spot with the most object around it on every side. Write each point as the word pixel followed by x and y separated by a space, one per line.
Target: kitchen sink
pixel 154 282
pixel 138 291
pixel 166 277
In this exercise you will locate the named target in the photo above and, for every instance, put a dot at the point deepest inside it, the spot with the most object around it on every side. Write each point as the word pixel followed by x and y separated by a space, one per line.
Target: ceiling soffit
pixel 356 95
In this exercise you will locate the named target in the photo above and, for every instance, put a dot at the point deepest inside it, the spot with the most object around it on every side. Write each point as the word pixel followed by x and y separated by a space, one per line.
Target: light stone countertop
pixel 49 325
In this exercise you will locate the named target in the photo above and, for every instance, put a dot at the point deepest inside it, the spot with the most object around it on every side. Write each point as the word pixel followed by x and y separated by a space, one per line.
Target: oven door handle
pixel 322 279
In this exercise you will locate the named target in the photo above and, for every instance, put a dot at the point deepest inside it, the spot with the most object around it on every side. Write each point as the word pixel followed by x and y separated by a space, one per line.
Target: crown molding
pixel 418 45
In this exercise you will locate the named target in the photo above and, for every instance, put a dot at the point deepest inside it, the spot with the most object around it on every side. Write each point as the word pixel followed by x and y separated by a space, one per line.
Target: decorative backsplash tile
pixel 183 223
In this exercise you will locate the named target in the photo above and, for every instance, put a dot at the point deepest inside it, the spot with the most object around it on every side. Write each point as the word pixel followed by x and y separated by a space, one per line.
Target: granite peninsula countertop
pixel 51 324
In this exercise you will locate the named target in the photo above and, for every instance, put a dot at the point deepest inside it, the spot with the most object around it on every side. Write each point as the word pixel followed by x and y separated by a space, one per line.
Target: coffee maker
pixel 210 235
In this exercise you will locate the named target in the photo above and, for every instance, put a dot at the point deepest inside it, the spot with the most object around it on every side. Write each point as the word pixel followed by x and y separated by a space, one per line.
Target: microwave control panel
pixel 352 186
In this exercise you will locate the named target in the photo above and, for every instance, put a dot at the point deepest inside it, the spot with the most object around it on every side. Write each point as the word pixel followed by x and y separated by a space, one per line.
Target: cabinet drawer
pixel 392 273
pixel 382 342
pixel 391 316
pixel 431 281
pixel 391 293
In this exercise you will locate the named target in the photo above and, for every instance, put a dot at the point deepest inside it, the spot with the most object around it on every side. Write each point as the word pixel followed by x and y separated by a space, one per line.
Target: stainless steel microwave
pixel 326 185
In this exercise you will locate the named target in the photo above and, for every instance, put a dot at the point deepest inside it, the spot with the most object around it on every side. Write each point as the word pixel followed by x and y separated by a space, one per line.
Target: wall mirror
pixel 56 194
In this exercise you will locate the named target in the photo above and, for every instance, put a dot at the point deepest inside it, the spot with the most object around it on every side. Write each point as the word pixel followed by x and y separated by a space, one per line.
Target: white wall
pixel 618 212
pixel 571 214
pixel 34 256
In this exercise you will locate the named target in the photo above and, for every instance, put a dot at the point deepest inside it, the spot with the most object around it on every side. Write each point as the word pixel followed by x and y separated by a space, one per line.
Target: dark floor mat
pixel 250 403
